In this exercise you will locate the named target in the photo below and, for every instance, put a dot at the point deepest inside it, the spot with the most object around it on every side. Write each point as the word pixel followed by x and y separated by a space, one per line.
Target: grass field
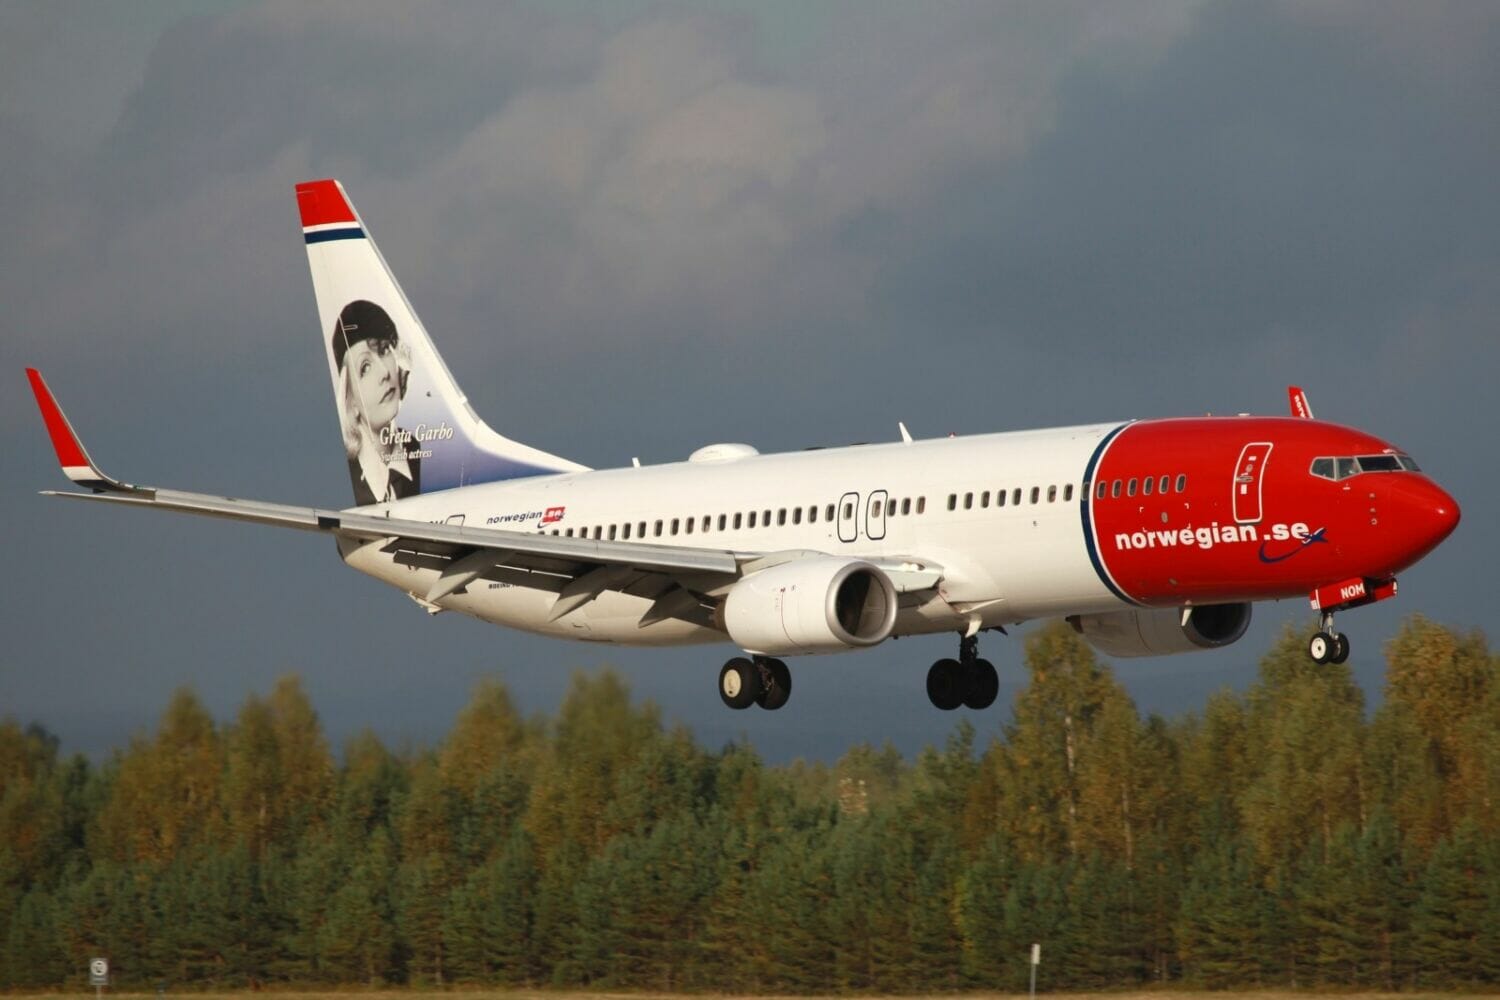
pixel 480 994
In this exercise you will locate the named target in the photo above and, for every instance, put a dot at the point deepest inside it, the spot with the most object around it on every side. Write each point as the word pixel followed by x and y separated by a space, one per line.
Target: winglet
pixel 1301 409
pixel 75 461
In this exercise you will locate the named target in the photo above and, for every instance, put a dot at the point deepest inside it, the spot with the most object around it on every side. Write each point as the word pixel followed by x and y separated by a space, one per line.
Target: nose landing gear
pixel 1328 645
pixel 967 681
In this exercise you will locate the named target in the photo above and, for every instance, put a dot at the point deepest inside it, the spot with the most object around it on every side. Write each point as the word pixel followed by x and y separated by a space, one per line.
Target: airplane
pixel 1149 537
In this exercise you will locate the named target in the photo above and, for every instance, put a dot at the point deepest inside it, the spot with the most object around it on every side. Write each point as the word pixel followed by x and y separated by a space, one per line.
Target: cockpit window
pixel 1379 463
pixel 1342 467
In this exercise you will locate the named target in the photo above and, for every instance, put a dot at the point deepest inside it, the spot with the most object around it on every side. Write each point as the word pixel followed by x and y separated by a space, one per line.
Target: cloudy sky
pixel 636 228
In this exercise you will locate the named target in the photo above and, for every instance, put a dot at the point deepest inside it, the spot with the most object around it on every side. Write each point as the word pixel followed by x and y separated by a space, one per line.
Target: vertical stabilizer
pixel 407 427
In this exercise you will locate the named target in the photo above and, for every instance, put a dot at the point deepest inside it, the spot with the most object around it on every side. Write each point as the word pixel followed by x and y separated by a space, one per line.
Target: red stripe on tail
pixel 322 202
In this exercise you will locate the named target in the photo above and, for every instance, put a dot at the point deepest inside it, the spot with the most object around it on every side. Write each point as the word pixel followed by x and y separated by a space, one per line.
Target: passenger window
pixel 812 514
pixel 658 529
pixel 598 531
pixel 1114 490
pixel 687 525
pixel 752 519
pixel 999 498
pixel 796 515
pixel 674 525
pixel 781 516
pixel 1052 494
pixel 953 501
pixel 1146 485
pixel 921 505
pixel 984 499
pixel 1181 483
pixel 1068 492
pixel 1036 494
pixel 848 511
pixel 723 521
pixel 738 520
pixel 625 531
pixel 1161 487
pixel 765 519
pixel 1101 490
pixel 906 506
pixel 968 501
pixel 708 522
pixel 569 533
pixel 1130 488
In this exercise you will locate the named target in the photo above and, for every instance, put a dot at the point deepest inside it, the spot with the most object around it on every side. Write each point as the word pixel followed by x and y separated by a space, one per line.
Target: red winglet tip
pixel 69 450
pixel 322 202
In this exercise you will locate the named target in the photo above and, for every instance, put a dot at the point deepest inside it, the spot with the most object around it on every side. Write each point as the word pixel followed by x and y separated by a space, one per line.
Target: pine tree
pixel 357 940
pixel 1307 723
pixel 1449 923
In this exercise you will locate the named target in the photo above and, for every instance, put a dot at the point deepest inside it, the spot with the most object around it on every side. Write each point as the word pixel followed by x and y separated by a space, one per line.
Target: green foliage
pixel 1277 839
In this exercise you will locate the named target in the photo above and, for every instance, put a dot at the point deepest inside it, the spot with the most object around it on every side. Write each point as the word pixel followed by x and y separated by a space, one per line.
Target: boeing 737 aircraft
pixel 1149 536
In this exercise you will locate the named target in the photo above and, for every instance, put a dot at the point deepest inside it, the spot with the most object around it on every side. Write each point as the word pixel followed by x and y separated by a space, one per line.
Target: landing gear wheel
pixel 1340 649
pixel 981 684
pixel 1322 647
pixel 739 683
pixel 776 683
pixel 945 684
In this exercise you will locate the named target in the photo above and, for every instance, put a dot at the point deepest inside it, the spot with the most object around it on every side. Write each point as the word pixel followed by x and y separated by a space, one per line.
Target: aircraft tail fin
pixel 407 427
pixel 1301 408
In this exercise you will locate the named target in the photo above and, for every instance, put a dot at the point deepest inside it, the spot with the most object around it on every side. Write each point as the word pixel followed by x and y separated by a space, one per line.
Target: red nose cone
pixel 1428 514
pixel 1446 512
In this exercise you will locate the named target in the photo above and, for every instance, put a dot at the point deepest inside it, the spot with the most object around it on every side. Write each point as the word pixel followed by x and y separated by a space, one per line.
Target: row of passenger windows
pixel 902 507
pixel 740 521
pixel 1144 487
pixel 1015 497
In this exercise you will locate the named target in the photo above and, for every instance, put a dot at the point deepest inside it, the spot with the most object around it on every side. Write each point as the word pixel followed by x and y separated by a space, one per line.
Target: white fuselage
pixel 1001 562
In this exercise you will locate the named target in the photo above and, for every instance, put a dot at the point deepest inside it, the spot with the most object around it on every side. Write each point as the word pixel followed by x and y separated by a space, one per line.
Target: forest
pixel 1285 836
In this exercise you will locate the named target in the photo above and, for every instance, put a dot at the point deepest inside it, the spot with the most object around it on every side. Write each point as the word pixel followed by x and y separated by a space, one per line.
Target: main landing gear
pixel 1328 645
pixel 967 681
pixel 763 681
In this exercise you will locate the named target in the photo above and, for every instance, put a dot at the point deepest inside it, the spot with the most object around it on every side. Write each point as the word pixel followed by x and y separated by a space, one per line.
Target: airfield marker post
pixel 1036 959
pixel 99 976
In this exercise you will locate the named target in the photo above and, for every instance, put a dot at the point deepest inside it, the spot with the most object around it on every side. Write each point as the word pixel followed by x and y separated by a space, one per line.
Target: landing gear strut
pixel 763 681
pixel 1328 645
pixel 967 681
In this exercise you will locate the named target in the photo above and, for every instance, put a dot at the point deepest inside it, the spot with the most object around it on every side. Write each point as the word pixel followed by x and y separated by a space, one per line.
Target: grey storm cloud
pixel 636 228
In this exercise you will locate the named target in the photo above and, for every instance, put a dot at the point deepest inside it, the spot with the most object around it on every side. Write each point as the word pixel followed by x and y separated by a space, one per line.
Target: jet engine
pixel 1159 632
pixel 818 604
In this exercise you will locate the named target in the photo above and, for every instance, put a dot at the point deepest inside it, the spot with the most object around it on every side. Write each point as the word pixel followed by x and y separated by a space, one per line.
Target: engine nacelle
pixel 820 604
pixel 1160 632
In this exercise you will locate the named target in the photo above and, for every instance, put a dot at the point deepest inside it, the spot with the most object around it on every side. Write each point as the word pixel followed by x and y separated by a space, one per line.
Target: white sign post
pixel 99 975
pixel 1036 959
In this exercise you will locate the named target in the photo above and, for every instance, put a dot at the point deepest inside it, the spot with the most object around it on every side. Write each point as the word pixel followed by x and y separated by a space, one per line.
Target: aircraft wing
pixel 679 580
